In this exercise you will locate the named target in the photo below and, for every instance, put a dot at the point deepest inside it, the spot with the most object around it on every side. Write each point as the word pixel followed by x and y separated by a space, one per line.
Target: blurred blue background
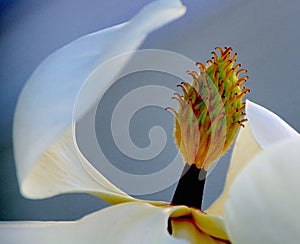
pixel 264 33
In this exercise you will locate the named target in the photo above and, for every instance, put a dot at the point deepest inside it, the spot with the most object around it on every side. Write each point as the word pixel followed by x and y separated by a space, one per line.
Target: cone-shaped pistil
pixel 210 113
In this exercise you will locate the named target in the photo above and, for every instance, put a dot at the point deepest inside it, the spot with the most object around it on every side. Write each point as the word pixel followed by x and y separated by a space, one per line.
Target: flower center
pixel 210 109
pixel 209 115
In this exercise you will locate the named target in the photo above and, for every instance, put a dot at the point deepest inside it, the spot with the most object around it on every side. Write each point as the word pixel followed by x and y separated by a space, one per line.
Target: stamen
pixel 220 50
pixel 201 65
pixel 187 85
pixel 217 75
pixel 241 71
pixel 183 90
pixel 242 121
pixel 194 74
pixel 172 110
pixel 209 61
pixel 227 50
pixel 215 55
pixel 179 99
pixel 234 57
pixel 228 63
pixel 244 78
pixel 236 67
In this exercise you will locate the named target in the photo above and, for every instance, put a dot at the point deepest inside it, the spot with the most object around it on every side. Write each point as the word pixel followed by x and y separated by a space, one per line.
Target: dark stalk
pixel 190 187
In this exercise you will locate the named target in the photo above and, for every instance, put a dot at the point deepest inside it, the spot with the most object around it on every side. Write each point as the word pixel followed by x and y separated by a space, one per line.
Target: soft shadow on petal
pixel 61 170
pixel 43 146
pixel 244 150
pixel 185 229
pixel 266 126
pixel 264 200
pixel 212 226
pixel 122 223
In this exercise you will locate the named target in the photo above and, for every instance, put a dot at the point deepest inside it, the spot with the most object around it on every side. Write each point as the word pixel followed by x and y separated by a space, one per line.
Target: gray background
pixel 264 33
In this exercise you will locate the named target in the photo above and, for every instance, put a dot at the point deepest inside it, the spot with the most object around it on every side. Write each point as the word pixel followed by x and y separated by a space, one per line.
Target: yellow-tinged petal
pixel 185 229
pixel 245 148
pixel 212 225
pixel 43 143
pixel 263 203
pixel 122 223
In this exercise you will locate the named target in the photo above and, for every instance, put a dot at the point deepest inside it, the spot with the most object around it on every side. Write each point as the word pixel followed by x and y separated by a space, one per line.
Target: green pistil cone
pixel 210 110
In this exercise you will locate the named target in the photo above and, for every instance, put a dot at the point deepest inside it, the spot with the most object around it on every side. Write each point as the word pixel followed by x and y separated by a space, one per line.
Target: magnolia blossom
pixel 49 161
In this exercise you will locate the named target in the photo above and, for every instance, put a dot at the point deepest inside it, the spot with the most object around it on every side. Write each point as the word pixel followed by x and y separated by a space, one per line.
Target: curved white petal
pixel 264 200
pixel 44 150
pixel 123 223
pixel 266 126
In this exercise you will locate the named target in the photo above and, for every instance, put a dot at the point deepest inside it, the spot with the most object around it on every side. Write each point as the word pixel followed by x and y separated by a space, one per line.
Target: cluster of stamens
pixel 210 109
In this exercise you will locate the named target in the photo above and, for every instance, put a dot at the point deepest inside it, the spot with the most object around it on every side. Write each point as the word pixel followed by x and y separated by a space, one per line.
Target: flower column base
pixel 190 187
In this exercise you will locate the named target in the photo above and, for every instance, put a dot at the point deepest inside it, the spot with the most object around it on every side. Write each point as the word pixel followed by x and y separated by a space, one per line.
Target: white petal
pixel 45 155
pixel 123 223
pixel 266 126
pixel 262 130
pixel 264 200
pixel 245 148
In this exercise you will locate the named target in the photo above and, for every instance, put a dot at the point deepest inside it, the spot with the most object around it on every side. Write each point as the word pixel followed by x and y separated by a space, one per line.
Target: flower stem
pixel 190 187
